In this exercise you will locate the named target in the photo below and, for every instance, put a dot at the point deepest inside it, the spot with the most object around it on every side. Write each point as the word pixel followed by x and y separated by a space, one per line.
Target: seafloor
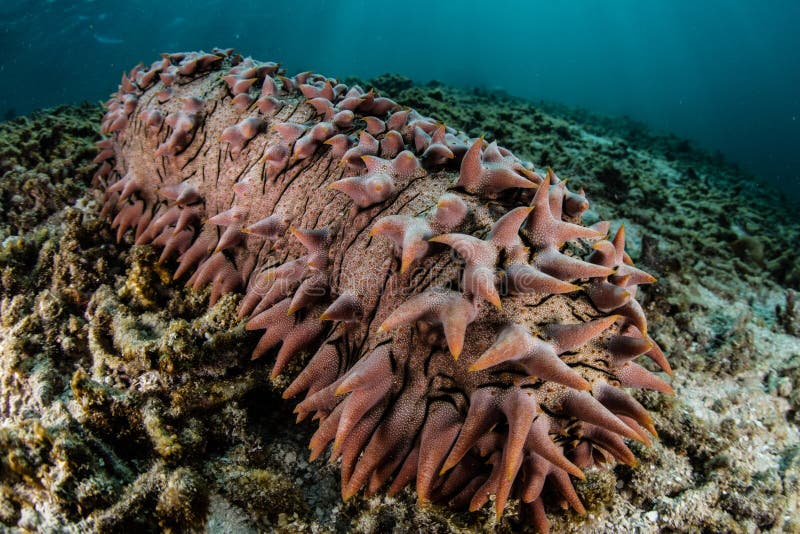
pixel 127 404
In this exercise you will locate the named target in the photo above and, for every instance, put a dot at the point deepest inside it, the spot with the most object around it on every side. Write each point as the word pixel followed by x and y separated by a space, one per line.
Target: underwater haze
pixel 724 73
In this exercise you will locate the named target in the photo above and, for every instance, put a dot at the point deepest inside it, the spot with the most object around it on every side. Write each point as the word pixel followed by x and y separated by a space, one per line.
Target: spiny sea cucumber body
pixel 467 334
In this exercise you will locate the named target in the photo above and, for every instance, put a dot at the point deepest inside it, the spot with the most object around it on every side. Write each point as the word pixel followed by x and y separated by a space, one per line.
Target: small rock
pixel 652 516
pixel 784 386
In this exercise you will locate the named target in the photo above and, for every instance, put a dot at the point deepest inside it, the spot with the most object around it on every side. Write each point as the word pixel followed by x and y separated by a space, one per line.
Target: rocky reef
pixel 128 401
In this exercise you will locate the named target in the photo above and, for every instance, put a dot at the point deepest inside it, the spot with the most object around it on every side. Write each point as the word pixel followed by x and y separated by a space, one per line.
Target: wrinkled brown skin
pixel 421 393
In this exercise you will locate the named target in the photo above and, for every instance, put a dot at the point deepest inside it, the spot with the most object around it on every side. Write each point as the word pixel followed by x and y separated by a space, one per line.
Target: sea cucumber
pixel 466 332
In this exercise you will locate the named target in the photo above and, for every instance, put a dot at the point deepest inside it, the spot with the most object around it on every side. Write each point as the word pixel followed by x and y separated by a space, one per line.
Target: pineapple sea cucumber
pixel 462 331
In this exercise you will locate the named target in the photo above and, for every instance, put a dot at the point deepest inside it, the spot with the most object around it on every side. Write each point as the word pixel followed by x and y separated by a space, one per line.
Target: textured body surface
pixel 467 334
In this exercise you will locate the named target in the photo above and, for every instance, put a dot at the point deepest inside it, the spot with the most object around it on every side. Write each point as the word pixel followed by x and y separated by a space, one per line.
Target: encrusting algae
pixel 128 402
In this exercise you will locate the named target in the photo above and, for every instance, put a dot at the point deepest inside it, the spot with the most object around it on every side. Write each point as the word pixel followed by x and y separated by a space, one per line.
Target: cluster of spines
pixel 551 432
pixel 527 455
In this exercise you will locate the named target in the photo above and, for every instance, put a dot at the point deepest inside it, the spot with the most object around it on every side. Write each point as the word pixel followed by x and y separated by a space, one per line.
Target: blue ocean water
pixel 724 73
